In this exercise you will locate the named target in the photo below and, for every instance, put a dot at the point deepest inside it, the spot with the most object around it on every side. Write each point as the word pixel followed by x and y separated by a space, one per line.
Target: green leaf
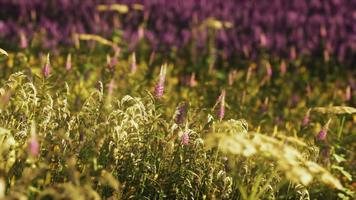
pixel 343 172
pixel 338 158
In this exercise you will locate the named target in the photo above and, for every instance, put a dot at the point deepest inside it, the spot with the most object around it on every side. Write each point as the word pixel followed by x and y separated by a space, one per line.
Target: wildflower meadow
pixel 195 99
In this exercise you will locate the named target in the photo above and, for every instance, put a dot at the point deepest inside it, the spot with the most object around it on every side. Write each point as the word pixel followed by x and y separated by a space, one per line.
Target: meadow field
pixel 158 99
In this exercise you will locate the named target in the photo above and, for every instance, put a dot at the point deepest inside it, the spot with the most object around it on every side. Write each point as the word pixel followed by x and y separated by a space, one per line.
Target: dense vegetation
pixel 94 117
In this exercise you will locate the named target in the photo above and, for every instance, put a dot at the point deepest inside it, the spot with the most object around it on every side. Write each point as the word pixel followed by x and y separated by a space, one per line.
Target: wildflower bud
pixel 185 138
pixel 309 90
pixel 269 70
pixel 306 120
pixel 246 50
pixel 221 99
pixel 133 63
pixel 111 87
pixel 326 55
pixel 323 132
pixel 348 93
pixel 293 53
pixel 141 33
pixel 323 31
pixel 192 81
pixel 34 146
pixel 181 113
pixel 263 40
pixel 69 62
pixel 232 77
pixel 152 57
pixel 111 62
pixel 23 40
pixel 160 85
pixel 46 70
pixel 264 106
pixel 283 67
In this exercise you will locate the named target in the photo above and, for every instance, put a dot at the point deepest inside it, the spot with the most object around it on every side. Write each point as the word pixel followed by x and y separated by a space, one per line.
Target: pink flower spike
pixel 46 70
pixel 185 138
pixel 159 89
pixel 34 147
pixel 69 62
pixel 322 134
pixel 263 40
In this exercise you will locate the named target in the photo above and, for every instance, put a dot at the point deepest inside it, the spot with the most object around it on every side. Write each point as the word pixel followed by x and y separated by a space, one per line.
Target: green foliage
pixel 102 134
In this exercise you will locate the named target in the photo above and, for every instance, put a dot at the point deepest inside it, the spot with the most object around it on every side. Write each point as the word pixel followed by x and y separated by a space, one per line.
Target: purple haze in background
pixel 285 28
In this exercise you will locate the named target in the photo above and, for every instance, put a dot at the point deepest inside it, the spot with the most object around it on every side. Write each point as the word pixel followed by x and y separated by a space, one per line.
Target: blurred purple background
pixel 283 28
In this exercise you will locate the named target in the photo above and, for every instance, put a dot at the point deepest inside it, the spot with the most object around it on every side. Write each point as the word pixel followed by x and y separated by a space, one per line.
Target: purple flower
pixel 34 146
pixel 159 89
pixel 181 113
pixel 46 70
pixel 69 62
pixel 322 134
pixel 185 138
